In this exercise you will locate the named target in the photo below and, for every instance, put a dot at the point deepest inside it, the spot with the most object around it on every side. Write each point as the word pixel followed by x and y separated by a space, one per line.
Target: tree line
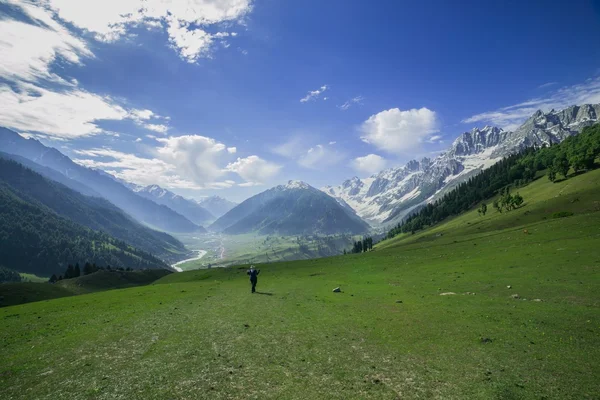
pixel 88 268
pixel 36 240
pixel 362 246
pixel 577 153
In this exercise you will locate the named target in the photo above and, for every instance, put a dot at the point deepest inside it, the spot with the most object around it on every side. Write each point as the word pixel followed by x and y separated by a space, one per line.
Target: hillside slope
pixel 37 240
pixel 292 209
pixel 388 334
pixel 91 212
pixel 142 209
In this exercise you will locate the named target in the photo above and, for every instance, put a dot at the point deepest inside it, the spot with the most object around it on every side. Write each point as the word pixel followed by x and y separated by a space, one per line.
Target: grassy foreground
pixel 390 334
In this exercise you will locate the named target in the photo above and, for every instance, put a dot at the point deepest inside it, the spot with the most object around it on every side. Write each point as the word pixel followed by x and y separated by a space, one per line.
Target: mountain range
pixel 44 225
pixel 94 213
pixel 188 208
pixel 292 209
pixel 387 197
pixel 143 209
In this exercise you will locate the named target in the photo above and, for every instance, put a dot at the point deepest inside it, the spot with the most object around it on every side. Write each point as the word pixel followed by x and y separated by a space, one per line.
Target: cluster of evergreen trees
pixel 362 246
pixel 88 268
pixel 576 152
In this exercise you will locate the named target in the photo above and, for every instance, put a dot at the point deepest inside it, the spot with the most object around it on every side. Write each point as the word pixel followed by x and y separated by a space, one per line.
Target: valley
pixel 225 250
pixel 490 306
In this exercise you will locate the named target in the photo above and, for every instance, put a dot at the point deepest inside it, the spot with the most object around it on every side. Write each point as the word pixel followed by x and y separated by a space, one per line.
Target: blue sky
pixel 231 97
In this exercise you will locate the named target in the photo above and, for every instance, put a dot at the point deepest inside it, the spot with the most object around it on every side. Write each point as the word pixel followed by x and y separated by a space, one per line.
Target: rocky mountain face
pixel 216 205
pixel 387 197
pixel 292 209
pixel 188 208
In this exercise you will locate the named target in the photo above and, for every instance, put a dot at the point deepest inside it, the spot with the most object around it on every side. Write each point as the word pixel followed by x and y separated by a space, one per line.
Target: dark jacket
pixel 253 274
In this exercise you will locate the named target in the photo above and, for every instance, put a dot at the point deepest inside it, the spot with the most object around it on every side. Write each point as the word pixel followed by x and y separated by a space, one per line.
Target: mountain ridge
pixel 387 197
pixel 293 209
pixel 188 208
pixel 142 209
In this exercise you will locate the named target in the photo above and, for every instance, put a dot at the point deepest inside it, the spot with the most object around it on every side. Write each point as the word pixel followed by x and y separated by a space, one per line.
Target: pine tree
pixel 77 272
pixel 53 279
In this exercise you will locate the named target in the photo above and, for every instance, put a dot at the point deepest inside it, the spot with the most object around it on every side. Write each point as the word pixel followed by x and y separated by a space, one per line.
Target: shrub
pixel 562 214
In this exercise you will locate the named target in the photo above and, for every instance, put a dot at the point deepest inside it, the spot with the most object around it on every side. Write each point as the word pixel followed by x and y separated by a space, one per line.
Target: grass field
pixel 390 334
pixel 19 293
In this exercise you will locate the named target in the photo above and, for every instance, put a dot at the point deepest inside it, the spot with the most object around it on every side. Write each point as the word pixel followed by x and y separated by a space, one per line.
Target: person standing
pixel 253 277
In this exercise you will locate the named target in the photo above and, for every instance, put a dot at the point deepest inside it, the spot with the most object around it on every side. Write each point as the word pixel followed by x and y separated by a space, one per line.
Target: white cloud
pixel 138 140
pixel 396 131
pixel 319 156
pixel 547 85
pixel 29 53
pixel 435 139
pixel 254 169
pixel 351 102
pixel 139 170
pixel 249 184
pixel 157 128
pixel 68 114
pixel 187 22
pixel 28 50
pixel 192 161
pixel 314 94
pixel 369 164
pixel 290 149
pixel 197 158
pixel 332 143
pixel 512 117
pixel 232 150
pixel 139 116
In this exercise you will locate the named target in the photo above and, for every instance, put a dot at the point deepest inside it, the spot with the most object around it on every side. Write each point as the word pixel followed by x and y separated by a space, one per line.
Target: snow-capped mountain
pixel 387 197
pixel 292 209
pixel 216 205
pixel 188 208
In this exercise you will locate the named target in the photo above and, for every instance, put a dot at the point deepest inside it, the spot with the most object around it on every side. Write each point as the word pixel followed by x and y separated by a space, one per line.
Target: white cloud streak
pixel 28 52
pixel 511 117
pixel 314 94
pixel 320 156
pixel 358 100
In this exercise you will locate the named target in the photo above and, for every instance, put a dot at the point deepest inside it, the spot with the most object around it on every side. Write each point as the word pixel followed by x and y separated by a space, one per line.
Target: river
pixel 201 253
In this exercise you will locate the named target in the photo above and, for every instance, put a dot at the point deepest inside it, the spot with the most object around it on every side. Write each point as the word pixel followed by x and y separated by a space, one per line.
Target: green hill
pixel 522 322
pixel 92 212
pixel 37 240
pixel 27 292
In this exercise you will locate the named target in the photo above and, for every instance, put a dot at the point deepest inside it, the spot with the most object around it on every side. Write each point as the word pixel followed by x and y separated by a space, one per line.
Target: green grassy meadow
pixel 390 334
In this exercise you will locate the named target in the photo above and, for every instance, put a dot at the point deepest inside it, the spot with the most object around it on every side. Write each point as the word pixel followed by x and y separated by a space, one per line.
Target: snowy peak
pixel 291 185
pixel 477 140
pixel 155 191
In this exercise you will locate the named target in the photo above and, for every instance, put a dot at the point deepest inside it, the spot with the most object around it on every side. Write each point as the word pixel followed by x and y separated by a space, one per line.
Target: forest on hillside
pixel 37 240
pixel 577 153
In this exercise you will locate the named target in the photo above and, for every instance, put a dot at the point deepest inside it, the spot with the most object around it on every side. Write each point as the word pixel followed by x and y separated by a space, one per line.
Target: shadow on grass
pixel 265 293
